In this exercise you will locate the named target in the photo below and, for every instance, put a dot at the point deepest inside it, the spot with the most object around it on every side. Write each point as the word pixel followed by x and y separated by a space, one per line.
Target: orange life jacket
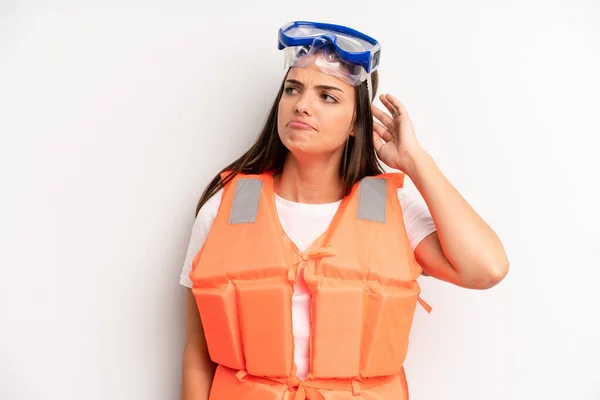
pixel 362 277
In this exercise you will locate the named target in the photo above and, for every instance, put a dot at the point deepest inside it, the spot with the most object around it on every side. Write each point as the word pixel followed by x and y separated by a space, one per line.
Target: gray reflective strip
pixel 372 193
pixel 245 201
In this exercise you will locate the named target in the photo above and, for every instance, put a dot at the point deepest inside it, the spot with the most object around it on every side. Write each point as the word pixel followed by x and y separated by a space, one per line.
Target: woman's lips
pixel 300 125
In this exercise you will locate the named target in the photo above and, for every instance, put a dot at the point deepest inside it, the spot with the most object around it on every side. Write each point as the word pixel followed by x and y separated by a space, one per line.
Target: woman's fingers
pixel 389 105
pixel 382 131
pixel 397 105
pixel 385 119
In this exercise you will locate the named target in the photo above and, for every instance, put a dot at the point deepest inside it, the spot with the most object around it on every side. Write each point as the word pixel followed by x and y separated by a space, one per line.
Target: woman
pixel 304 255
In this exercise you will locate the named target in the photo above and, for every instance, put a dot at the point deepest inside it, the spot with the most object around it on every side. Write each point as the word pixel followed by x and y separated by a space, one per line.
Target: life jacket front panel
pixel 241 286
pixel 364 295
pixel 361 274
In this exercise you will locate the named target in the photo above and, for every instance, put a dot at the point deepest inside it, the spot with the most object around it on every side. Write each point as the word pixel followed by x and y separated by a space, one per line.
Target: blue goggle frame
pixel 368 59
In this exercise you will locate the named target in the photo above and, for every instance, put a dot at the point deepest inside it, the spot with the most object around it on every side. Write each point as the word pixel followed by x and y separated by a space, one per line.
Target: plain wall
pixel 115 115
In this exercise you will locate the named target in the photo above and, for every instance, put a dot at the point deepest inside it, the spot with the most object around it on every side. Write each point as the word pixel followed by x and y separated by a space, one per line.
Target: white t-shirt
pixel 303 224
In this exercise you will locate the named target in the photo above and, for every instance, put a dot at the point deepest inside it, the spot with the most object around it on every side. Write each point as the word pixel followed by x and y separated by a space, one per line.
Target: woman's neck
pixel 311 182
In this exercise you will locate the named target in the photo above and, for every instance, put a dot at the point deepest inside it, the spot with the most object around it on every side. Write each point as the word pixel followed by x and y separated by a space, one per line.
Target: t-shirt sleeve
pixel 417 218
pixel 202 224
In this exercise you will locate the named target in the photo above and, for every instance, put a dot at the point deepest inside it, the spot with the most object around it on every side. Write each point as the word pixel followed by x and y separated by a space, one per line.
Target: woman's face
pixel 322 102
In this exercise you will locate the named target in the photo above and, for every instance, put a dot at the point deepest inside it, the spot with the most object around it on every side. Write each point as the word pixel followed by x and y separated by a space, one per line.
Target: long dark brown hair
pixel 269 153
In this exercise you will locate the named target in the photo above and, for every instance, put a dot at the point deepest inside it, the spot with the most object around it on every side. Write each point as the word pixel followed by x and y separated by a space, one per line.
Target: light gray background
pixel 115 115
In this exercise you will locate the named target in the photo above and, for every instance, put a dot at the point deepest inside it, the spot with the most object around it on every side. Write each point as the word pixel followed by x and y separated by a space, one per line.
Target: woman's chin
pixel 297 139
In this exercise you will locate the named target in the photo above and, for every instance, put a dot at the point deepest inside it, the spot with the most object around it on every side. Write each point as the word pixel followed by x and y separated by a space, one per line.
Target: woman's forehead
pixel 312 75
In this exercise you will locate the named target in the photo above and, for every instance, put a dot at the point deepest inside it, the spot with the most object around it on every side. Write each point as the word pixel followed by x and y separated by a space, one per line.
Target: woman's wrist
pixel 413 161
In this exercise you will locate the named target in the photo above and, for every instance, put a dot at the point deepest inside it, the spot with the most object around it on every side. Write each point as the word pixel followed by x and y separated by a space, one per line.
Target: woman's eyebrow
pixel 326 87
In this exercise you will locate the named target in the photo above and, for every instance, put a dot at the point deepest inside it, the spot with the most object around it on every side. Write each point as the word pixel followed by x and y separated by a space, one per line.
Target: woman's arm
pixel 465 250
pixel 198 369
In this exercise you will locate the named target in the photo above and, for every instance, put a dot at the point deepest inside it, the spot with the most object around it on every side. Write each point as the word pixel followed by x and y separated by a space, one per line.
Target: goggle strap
pixel 370 87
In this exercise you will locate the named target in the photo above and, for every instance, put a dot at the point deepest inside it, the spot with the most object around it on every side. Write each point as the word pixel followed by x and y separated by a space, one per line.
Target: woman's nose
pixel 303 104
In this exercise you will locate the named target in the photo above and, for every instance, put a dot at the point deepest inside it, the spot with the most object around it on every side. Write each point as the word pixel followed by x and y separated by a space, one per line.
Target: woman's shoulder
pixel 411 201
pixel 417 217
pixel 202 225
pixel 208 211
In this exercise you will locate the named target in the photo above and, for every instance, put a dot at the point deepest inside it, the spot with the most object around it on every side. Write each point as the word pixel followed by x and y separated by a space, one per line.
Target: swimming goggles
pixel 336 50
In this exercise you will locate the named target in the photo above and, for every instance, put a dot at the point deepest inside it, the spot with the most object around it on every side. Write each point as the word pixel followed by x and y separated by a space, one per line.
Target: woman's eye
pixel 325 96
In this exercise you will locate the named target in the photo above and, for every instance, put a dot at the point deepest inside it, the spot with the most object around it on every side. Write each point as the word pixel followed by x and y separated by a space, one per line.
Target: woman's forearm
pixel 468 242
pixel 196 380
